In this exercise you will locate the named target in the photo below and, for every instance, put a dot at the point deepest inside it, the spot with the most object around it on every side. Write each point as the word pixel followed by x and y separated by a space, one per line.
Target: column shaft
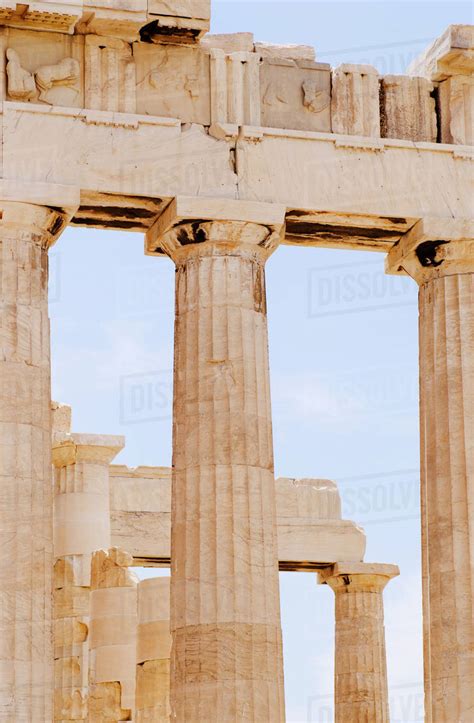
pixel 361 690
pixel 112 637
pixel 81 526
pixel 26 531
pixel 225 616
pixel 447 493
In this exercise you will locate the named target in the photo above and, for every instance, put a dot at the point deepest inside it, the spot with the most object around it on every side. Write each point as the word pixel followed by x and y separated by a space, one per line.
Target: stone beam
pixel 316 176
pixel 311 533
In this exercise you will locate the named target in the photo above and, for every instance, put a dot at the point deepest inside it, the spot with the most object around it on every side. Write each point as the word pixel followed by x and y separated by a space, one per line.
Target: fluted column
pixel 81 526
pixel 26 510
pixel 361 691
pixel 225 613
pixel 441 260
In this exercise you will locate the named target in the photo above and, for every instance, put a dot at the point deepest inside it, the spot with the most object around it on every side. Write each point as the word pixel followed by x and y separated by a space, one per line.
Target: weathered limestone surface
pixel 41 67
pixel 444 269
pixel 295 169
pixel 173 81
pixel 361 691
pixel 295 94
pixel 449 61
pixel 26 519
pixel 230 42
pixel 112 637
pixel 81 526
pixel 449 54
pixel 355 103
pixel 408 108
pixel 289 52
pixel 153 651
pixel 153 20
pixel 456 96
pixel 140 511
pixel 225 617
pixel 309 527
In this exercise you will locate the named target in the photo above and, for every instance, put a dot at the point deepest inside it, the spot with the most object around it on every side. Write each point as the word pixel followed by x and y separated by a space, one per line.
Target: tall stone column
pixel 225 611
pixel 26 509
pixel 361 691
pixel 440 257
pixel 81 526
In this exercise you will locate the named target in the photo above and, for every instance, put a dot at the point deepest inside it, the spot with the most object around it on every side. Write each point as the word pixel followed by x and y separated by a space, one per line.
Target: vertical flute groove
pixel 447 412
pixel 227 658
pixel 26 652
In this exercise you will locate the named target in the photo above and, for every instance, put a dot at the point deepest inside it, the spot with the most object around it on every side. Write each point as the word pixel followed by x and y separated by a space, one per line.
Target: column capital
pixel 72 448
pixel 358 576
pixel 214 224
pixel 434 248
pixel 42 224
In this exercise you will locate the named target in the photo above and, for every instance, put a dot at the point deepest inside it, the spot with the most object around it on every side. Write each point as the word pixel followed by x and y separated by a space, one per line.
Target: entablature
pixel 310 528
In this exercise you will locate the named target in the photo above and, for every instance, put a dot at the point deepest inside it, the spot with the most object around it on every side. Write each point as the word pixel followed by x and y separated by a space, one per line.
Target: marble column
pixel 225 611
pixel 152 700
pixel 440 257
pixel 81 526
pixel 26 509
pixel 112 637
pixel 361 692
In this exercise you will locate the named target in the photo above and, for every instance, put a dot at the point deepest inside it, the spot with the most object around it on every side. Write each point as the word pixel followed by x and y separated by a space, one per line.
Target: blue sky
pixel 343 345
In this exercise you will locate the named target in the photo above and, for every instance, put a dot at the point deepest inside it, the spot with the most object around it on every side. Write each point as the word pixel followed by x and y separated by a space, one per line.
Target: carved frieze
pixel 173 82
pixel 295 94
pixel 48 70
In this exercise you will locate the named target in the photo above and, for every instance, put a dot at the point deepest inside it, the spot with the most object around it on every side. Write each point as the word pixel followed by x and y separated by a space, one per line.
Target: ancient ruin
pixel 219 149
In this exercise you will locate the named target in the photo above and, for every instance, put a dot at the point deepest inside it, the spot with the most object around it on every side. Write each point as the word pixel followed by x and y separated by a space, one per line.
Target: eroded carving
pixel 173 81
pixel 296 94
pixel 315 99
pixel 65 73
pixel 21 83
pixel 26 86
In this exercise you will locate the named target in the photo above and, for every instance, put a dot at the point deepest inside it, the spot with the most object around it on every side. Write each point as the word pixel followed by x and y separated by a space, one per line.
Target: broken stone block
pixel 408 108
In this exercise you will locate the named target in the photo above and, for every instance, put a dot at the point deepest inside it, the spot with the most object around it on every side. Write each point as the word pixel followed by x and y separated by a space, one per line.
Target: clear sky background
pixel 343 345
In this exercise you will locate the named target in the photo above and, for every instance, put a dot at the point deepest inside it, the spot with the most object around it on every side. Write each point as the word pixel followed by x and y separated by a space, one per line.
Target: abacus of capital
pixel 219 149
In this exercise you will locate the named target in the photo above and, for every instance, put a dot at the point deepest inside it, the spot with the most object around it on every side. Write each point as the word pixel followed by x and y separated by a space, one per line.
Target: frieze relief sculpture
pixel 21 83
pixel 38 86
pixel 315 99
